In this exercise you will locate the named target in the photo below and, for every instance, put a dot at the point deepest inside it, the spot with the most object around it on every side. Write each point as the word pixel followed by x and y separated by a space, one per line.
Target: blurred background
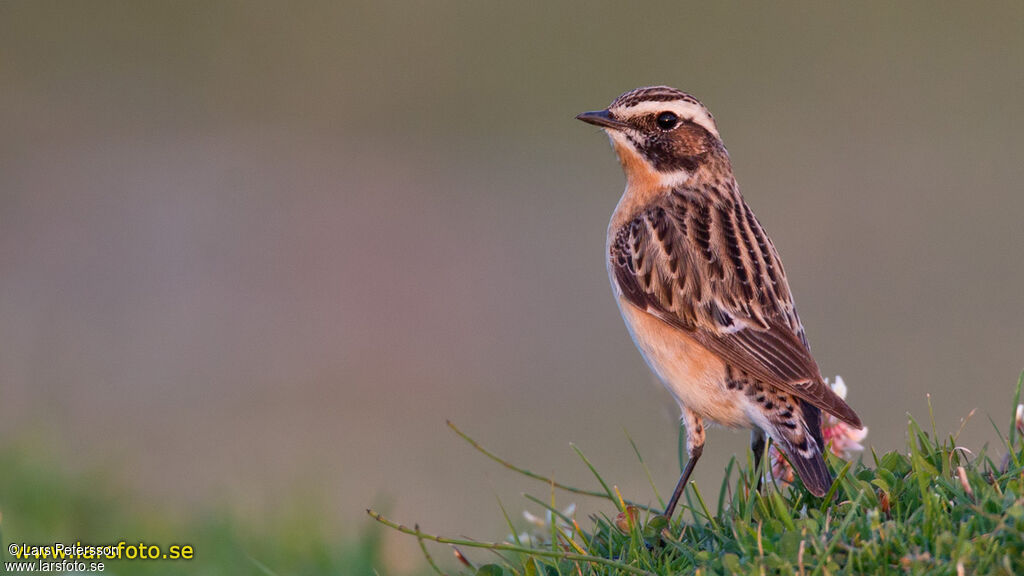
pixel 251 249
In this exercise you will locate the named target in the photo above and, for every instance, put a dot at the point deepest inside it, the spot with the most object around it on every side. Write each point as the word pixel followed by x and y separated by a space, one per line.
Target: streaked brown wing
pixel 708 268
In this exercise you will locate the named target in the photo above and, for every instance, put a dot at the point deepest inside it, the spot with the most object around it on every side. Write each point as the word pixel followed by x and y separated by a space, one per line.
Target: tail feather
pixel 804 447
pixel 812 471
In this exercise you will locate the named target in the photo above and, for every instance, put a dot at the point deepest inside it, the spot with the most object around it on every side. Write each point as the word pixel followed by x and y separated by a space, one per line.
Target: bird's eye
pixel 667 120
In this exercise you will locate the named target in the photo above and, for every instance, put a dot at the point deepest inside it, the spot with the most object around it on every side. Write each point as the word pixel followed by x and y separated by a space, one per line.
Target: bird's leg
pixel 694 447
pixel 757 446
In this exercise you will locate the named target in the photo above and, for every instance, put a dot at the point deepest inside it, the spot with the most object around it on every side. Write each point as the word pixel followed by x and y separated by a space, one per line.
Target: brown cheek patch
pixel 680 149
pixel 693 140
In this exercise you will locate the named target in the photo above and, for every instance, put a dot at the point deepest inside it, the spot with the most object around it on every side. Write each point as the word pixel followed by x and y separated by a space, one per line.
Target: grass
pixel 934 508
pixel 42 502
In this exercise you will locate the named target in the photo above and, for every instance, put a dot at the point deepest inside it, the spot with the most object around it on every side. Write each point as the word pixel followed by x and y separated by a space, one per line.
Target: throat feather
pixel 642 179
pixel 644 184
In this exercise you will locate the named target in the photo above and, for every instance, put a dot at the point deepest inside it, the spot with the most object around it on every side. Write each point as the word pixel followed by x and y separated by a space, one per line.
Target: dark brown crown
pixel 652 94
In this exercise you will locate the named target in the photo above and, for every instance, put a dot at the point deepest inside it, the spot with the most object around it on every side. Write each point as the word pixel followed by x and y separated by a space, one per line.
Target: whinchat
pixel 702 290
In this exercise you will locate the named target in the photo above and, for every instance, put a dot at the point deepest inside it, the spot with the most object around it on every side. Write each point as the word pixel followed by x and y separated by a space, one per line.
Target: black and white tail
pixel 803 445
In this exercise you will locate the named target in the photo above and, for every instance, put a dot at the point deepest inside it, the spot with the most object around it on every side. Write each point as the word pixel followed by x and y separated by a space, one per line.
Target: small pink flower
pixel 843 439
pixel 781 471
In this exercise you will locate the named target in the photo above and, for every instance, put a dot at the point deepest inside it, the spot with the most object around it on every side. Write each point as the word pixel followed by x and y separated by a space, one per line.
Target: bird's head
pixel 661 135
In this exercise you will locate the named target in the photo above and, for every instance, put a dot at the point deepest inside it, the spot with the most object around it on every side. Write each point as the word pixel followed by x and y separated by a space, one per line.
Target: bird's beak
pixel 602 118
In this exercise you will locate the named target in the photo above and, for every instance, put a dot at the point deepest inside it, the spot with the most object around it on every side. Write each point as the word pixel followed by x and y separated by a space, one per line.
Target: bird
pixel 702 290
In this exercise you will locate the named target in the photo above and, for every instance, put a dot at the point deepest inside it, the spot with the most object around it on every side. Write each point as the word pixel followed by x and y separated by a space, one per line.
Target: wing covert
pixel 706 267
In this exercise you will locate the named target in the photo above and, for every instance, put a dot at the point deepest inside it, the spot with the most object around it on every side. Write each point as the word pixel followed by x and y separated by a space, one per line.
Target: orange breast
pixel 693 374
pixel 640 175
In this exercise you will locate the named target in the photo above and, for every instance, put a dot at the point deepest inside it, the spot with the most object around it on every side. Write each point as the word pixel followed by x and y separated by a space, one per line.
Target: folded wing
pixel 707 267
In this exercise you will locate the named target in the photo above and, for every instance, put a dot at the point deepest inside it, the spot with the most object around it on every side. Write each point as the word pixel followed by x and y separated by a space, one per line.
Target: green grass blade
pixel 1013 414
pixel 508 522
pixel 647 471
pixel 703 506
pixel 430 559
pixel 507 547
pixel 725 485
pixel 921 509
pixel 545 479
pixel 600 480
pixel 827 501
pixel 261 566
pixel 681 446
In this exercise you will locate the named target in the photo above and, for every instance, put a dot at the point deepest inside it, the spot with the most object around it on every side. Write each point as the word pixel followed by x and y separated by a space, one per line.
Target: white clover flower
pixel 540 531
pixel 839 386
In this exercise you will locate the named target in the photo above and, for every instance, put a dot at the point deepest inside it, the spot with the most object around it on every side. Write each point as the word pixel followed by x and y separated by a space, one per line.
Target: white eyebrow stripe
pixel 688 110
